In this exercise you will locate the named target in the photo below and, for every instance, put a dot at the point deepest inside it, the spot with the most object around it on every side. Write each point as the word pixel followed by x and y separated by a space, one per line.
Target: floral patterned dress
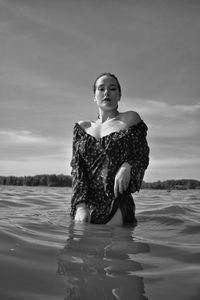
pixel 95 164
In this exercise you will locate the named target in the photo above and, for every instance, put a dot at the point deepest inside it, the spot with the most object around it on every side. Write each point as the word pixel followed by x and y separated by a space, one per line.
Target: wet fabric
pixel 95 164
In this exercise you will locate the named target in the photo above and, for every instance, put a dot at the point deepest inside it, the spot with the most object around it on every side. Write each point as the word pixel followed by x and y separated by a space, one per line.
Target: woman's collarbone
pixel 99 130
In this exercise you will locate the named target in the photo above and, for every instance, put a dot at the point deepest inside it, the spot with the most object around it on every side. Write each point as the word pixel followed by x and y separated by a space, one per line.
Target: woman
pixel 110 156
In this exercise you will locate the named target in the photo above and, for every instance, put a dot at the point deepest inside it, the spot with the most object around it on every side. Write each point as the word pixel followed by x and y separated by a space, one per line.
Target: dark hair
pixel 110 75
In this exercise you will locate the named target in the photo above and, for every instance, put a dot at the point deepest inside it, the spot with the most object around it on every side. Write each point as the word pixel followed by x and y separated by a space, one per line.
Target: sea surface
pixel 45 255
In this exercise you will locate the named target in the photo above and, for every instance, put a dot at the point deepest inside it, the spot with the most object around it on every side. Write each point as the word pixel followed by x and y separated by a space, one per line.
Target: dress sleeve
pixel 79 178
pixel 139 155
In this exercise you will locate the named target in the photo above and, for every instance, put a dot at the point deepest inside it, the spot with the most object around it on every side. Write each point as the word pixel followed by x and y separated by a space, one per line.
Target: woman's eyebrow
pixel 112 84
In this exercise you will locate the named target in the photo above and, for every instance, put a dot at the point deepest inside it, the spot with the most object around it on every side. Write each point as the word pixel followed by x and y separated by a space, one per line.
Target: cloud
pixel 156 108
pixel 24 152
pixel 26 145
pixel 50 53
pixel 175 162
pixel 166 110
pixel 33 167
pixel 9 137
pixel 166 120
pixel 173 137
pixel 173 168
pixel 34 82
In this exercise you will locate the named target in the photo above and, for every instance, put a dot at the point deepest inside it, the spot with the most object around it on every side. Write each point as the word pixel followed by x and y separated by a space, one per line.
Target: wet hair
pixel 109 75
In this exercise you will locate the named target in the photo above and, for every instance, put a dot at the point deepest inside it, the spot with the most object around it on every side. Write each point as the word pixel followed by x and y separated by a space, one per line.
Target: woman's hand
pixel 122 179
pixel 82 214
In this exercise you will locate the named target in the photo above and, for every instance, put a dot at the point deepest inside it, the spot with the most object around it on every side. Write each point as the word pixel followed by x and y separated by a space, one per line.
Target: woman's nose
pixel 106 92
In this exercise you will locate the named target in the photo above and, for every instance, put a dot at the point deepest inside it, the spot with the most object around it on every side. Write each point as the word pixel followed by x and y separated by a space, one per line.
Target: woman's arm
pixel 131 172
pixel 139 156
pixel 122 179
pixel 79 182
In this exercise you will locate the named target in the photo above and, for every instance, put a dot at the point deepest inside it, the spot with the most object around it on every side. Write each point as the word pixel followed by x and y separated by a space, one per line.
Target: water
pixel 44 255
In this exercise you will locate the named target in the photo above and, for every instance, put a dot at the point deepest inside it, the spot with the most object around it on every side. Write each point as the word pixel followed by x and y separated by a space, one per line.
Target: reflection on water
pixel 98 263
pixel 46 256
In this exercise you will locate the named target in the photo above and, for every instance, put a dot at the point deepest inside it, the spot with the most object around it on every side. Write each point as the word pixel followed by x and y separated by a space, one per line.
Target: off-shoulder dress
pixel 95 164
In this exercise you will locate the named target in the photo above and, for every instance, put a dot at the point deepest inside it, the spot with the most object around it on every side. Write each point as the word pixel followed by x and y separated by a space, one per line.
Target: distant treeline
pixel 173 184
pixel 66 180
pixel 46 180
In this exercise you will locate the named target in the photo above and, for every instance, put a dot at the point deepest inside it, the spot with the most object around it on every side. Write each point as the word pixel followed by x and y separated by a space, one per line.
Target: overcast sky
pixel 52 50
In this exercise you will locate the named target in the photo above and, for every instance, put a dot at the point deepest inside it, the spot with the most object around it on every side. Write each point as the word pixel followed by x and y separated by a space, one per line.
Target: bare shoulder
pixel 85 124
pixel 130 117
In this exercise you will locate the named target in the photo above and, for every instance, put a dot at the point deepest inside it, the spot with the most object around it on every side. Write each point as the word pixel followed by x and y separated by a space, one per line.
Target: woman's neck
pixel 107 115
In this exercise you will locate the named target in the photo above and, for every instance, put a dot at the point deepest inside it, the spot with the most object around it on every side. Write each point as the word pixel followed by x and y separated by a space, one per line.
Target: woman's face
pixel 107 92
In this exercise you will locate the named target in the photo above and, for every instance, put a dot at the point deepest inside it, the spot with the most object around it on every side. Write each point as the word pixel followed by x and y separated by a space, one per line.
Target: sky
pixel 51 51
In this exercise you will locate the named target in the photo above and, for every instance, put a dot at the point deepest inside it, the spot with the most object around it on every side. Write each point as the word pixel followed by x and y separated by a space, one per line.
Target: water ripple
pixel 44 255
